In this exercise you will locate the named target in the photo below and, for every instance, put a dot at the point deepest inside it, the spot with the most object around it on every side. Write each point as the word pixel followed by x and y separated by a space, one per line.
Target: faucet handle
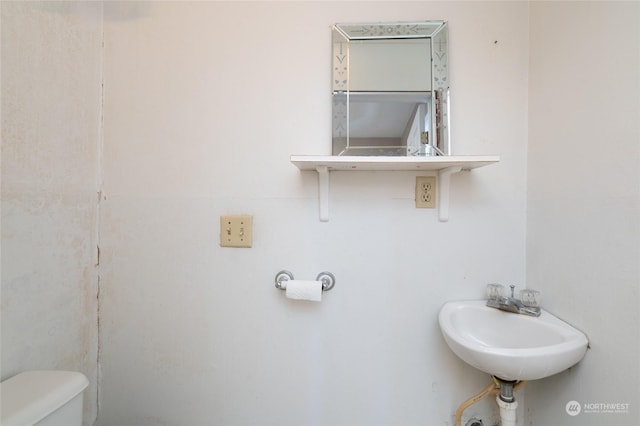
pixel 512 288
pixel 494 290
pixel 530 297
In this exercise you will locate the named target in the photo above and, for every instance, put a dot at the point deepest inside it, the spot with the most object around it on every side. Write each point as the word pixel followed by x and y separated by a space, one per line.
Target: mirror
pixel 390 89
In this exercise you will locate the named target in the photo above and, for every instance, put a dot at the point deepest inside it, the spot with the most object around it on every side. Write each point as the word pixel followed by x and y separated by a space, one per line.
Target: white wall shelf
pixel 445 166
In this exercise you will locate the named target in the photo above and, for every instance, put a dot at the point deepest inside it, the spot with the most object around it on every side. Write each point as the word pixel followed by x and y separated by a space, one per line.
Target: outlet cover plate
pixel 426 192
pixel 236 231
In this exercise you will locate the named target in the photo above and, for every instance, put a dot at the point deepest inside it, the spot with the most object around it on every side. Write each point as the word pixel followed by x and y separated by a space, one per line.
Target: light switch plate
pixel 236 231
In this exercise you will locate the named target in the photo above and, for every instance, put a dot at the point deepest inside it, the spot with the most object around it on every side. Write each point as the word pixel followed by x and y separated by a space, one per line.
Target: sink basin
pixel 510 346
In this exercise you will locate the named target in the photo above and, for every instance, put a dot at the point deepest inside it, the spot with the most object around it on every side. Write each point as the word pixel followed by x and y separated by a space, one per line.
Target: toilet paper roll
pixel 304 290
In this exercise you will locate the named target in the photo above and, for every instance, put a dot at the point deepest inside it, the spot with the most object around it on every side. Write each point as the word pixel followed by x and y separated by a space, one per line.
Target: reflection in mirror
pixel 390 89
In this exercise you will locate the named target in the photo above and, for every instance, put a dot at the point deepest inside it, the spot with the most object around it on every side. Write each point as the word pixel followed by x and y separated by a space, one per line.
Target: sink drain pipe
pixel 507 403
pixel 507 412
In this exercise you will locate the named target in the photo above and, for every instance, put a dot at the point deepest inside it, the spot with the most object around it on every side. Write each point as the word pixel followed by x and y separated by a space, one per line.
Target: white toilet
pixel 43 398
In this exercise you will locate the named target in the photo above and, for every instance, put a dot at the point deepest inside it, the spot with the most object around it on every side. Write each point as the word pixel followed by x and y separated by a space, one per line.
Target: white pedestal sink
pixel 510 346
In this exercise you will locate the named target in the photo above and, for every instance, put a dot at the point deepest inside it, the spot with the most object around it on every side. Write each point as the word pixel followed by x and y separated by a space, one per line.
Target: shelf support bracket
pixel 323 192
pixel 444 185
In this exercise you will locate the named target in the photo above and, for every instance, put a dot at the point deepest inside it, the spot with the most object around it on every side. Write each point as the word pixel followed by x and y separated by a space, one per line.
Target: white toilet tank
pixel 43 398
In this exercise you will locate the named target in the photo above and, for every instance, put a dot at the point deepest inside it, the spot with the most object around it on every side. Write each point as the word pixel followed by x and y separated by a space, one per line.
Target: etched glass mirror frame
pixel 390 89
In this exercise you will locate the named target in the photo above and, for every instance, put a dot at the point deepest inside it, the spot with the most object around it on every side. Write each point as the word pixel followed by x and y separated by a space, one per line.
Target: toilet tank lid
pixel 29 397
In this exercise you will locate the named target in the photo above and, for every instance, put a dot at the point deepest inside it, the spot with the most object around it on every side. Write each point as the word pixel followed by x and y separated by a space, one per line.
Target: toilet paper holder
pixel 327 278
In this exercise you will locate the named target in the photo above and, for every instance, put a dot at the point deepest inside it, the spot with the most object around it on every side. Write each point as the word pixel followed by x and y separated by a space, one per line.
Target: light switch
pixel 236 231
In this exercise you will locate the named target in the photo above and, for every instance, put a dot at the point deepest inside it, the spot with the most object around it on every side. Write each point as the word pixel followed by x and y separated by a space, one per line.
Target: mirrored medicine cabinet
pixel 390 89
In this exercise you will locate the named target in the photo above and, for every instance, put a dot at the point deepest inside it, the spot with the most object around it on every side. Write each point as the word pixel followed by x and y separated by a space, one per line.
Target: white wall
pixel 583 219
pixel 51 70
pixel 204 103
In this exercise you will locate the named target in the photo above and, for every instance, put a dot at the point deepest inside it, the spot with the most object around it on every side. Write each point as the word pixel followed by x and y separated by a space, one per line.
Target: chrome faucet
pixel 512 304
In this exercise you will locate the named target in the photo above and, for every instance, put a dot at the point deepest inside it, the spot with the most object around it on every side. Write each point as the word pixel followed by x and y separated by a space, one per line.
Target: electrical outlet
pixel 426 192
pixel 236 231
